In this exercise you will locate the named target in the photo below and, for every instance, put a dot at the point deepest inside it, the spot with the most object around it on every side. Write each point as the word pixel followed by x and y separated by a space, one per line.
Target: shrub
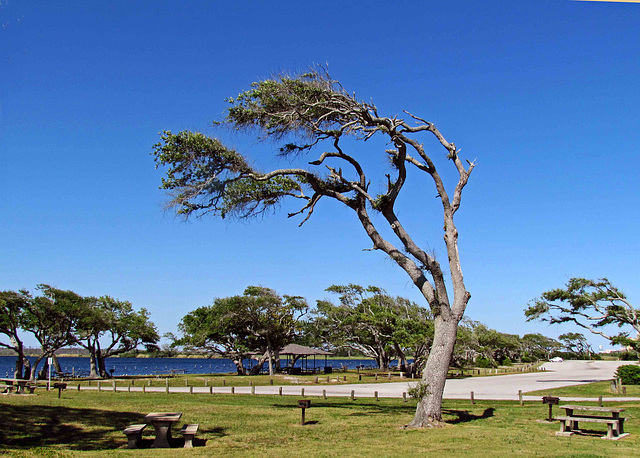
pixel 527 359
pixel 627 356
pixel 483 362
pixel 629 374
pixel 507 362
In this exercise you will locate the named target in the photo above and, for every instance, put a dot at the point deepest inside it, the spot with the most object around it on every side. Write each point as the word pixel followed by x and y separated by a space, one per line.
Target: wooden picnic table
pixel 594 414
pixel 19 383
pixel 162 422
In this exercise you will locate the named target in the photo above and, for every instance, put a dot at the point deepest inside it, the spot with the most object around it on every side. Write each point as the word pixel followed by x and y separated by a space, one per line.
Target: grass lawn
pixel 90 424
pixel 589 390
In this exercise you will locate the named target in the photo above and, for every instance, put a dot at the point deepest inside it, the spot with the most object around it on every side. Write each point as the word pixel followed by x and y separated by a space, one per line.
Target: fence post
pixel 191 389
pixel 233 390
pixel 473 401
pixel 324 394
pixel 353 395
pixel 375 394
pixel 280 391
pixel 99 386
pixel 404 397
pixel 211 389
pixel 253 389
pixel 520 397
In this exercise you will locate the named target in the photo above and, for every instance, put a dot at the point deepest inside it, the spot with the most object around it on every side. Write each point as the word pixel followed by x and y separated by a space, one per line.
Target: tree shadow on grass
pixel 362 409
pixel 26 426
pixel 464 416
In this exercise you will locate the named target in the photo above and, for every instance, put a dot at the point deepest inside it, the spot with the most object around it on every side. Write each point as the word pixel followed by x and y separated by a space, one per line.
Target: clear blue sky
pixel 545 94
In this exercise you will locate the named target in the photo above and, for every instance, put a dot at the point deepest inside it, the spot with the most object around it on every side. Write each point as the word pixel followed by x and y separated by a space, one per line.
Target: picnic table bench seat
pixel 568 424
pixel 134 434
pixel 189 432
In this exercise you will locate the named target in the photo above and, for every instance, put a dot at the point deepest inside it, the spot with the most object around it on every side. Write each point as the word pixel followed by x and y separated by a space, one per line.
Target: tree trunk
pixel 434 376
pixel 239 366
pixel 93 366
pixel 56 364
pixel 17 373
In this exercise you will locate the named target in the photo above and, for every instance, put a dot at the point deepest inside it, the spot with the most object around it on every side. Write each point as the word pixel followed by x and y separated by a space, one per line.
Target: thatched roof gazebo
pixel 297 352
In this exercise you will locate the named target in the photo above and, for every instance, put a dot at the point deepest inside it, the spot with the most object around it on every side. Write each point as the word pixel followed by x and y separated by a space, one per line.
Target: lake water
pixel 151 366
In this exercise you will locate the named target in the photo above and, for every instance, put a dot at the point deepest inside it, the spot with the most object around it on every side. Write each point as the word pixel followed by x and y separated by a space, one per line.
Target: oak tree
pixel 304 113
pixel 258 323
pixel 594 305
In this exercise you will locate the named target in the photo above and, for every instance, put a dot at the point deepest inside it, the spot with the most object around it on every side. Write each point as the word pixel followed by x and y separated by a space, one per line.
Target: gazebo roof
pixel 301 350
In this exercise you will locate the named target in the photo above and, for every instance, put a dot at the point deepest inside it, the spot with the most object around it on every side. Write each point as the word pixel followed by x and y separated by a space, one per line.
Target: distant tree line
pixel 366 321
pixel 255 326
pixel 57 318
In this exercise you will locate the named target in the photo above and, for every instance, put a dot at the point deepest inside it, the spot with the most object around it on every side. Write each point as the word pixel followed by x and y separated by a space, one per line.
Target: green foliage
pixel 483 362
pixel 418 390
pixel 205 176
pixel 375 324
pixel 299 105
pixel 629 374
pixel 506 361
pixel 258 321
pixel 592 305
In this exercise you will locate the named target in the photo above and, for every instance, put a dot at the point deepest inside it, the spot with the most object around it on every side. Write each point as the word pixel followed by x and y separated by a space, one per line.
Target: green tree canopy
pixel 377 325
pixel 594 305
pixel 109 327
pixel 259 321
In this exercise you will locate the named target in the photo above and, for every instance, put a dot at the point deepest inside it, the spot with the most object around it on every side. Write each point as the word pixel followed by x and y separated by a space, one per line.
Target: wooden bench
pixel 615 424
pixel 189 431
pixel 134 434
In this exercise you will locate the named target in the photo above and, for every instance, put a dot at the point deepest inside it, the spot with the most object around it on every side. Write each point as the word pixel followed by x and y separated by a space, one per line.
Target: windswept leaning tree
pixel 301 113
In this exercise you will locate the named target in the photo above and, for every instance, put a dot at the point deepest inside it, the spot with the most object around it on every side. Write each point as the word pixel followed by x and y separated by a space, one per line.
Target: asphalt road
pixel 497 387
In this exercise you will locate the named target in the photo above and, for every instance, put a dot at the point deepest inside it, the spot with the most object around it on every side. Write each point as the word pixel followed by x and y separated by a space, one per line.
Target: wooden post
pixel 206 382
pixel 324 394
pixel 191 389
pixel 353 395
pixel 359 377
pixel 389 375
pixel 280 391
pixel 376 377
pixel 211 389
pixel 473 401
pixel 328 379
pixel 271 381
pixel 114 386
pixel 144 389
pixel 99 386
pixel 78 387
pixel 186 382
pixel 253 389
pixel 166 385
pixel 624 390
pixel 149 382
pixel 302 392
pixel 375 394
pixel 129 388
pixel 250 382
pixel 316 381
pixel 404 397
pixel 600 401
pixel 224 382
pixel 520 397
pixel 344 379
pixel 233 390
